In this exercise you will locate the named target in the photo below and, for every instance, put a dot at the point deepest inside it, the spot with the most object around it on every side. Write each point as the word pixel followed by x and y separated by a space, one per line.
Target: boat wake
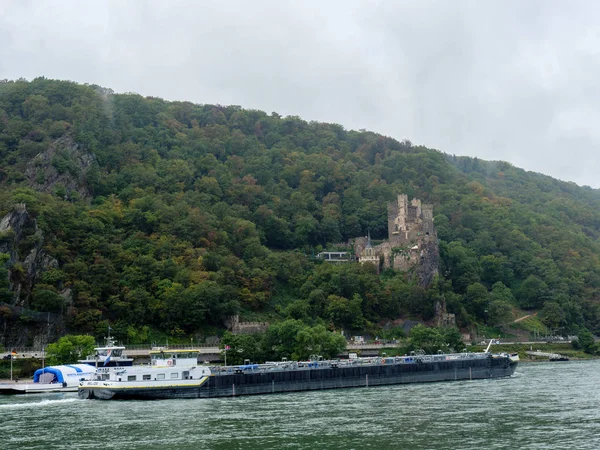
pixel 43 403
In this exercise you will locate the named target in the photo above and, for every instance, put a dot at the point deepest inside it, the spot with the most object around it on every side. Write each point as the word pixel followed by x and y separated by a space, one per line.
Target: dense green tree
pixel 477 299
pixel 70 348
pixel 290 339
pixel 280 338
pixel 533 292
pixel 499 312
pixel 453 339
pixel 434 339
pixel 552 315
pixel 45 299
pixel 501 292
pixel 461 263
pixel 242 347
pixel 585 341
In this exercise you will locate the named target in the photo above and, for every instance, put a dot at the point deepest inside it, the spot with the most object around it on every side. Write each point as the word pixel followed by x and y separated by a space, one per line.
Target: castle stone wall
pixel 412 241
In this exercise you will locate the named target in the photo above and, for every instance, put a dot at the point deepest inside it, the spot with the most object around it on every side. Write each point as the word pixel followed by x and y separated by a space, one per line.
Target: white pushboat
pixel 66 378
pixel 168 372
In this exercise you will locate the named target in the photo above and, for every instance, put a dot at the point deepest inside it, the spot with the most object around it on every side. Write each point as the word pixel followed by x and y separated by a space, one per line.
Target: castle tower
pixel 369 254
pixel 428 219
pixel 414 214
pixel 397 215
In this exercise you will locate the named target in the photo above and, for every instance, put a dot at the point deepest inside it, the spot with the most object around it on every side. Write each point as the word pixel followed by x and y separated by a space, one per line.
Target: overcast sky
pixel 501 80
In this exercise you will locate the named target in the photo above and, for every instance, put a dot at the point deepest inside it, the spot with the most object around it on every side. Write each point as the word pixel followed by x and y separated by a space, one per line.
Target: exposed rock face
pixel 21 238
pixel 23 241
pixel 429 261
pixel 63 166
pixel 11 227
pixel 21 327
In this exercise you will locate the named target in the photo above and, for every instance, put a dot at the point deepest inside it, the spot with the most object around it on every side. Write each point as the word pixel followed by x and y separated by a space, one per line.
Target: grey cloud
pixel 501 80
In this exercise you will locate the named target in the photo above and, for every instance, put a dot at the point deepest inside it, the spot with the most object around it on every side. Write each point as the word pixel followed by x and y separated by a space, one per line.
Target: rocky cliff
pixel 64 168
pixel 429 261
pixel 22 240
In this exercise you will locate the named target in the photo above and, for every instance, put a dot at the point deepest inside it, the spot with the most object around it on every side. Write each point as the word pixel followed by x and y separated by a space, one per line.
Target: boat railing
pixel 273 366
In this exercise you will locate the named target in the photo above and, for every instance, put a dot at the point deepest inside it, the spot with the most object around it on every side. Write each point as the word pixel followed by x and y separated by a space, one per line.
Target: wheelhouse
pixel 172 358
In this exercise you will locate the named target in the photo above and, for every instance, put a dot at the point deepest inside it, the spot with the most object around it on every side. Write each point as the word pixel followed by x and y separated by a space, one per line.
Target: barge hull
pixel 270 382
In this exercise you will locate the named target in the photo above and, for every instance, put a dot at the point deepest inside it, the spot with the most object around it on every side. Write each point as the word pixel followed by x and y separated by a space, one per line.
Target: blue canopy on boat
pixel 68 373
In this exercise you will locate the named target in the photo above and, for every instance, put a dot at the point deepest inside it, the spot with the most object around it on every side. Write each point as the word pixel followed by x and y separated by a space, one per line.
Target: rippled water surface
pixel 544 406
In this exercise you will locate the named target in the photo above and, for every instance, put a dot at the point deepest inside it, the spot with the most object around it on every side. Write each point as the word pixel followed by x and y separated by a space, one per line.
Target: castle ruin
pixel 412 241
pixel 234 325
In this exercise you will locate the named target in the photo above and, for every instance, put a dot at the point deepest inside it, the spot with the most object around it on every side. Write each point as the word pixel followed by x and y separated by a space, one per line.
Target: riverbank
pixel 564 349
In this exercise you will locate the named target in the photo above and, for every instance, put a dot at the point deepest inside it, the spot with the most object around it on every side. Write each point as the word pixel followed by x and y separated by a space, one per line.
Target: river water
pixel 543 406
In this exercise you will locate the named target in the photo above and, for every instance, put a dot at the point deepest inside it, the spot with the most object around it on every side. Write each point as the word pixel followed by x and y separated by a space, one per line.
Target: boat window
pixel 160 376
pixel 146 377
pixel 131 378
pixel 117 352
pixel 175 375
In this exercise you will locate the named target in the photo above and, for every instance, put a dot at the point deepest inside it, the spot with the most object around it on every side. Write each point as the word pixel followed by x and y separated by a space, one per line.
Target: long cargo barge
pixel 176 374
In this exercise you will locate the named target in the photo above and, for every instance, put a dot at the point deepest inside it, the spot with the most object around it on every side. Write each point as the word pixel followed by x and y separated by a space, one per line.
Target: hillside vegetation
pixel 168 217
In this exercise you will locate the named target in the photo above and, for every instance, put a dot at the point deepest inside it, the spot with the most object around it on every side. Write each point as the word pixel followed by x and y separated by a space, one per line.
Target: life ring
pixel 169 362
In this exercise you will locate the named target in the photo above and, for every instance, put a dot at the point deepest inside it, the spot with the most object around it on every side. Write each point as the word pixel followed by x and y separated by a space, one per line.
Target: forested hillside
pixel 168 217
